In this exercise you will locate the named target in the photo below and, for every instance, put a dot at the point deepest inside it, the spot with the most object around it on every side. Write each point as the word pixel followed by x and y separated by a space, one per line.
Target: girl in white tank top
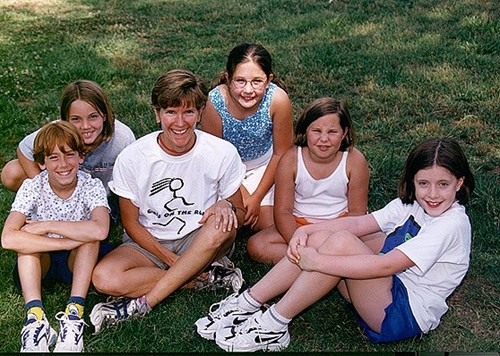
pixel 322 177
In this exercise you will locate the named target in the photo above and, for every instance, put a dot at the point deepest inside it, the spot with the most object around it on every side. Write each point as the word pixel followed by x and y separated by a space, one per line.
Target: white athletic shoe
pixel 70 333
pixel 222 314
pixel 37 335
pixel 252 336
pixel 115 310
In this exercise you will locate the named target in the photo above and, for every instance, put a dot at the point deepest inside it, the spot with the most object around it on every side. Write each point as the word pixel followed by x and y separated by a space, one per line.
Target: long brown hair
pixel 93 94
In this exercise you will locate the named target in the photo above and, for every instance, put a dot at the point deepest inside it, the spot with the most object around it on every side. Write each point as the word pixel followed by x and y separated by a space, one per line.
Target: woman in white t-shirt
pixel 180 204
pixel 396 265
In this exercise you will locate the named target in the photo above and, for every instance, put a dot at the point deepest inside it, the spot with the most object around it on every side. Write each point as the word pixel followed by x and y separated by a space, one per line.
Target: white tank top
pixel 317 200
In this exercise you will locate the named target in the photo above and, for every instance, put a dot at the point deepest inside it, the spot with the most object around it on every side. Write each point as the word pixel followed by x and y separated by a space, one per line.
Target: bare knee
pixel 216 238
pixel 107 281
pixel 341 242
pixel 13 175
pixel 267 246
pixel 256 247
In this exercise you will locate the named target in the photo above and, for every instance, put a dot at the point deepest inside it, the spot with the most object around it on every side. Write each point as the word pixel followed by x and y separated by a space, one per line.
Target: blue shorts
pixel 399 322
pixel 59 269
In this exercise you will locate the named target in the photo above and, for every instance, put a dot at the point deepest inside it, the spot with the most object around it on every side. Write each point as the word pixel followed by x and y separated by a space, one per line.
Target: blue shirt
pixel 252 136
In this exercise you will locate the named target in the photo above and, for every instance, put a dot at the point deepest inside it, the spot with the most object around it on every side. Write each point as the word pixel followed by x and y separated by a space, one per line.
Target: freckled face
pixel 436 189
pixel 325 135
pixel 254 81
pixel 62 167
pixel 87 119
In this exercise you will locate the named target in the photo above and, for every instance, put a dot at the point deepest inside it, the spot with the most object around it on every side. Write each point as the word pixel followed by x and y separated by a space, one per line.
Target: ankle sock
pixel 75 306
pixel 247 302
pixel 35 307
pixel 274 320
pixel 143 306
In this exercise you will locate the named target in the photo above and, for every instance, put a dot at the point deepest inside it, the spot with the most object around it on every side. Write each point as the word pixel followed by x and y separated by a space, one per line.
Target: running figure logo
pixel 172 205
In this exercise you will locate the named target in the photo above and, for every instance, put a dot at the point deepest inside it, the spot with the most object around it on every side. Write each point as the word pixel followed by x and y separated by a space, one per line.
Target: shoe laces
pixel 31 333
pixel 218 309
pixel 71 325
pixel 250 325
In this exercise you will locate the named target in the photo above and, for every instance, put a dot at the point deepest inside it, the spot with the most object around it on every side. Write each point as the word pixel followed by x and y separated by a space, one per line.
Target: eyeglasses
pixel 257 84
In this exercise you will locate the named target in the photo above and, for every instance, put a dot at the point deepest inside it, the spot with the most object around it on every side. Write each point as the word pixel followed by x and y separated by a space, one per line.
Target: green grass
pixel 408 69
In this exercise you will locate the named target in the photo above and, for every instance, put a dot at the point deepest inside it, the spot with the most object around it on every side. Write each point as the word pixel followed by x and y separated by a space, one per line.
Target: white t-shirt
pixel 320 199
pixel 98 163
pixel 37 201
pixel 172 192
pixel 439 247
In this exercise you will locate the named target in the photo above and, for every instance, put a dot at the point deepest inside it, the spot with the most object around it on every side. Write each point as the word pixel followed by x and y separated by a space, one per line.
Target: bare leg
pixel 282 276
pixel 370 297
pixel 31 268
pixel 81 262
pixel 374 242
pixel 13 175
pixel 267 246
pixel 208 245
pixel 266 218
pixel 126 272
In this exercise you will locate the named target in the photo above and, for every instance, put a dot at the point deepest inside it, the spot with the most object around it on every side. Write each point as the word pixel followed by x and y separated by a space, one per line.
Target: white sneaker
pixel 117 309
pixel 223 274
pixel 37 335
pixel 70 337
pixel 222 314
pixel 252 336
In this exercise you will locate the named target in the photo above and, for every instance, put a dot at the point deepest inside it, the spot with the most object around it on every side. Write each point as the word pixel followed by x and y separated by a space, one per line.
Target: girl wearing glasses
pixel 249 108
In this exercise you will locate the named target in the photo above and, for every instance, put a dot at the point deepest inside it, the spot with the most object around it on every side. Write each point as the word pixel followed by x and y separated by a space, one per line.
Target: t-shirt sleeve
pixel 123 183
pixel 96 194
pixel 389 216
pixel 23 202
pixel 233 173
pixel 26 145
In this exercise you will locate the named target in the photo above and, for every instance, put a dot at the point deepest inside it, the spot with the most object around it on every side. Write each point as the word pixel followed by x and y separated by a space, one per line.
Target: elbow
pixel 100 232
pixel 7 243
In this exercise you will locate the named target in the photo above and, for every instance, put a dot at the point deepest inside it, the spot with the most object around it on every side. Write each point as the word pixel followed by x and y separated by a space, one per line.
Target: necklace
pixel 164 147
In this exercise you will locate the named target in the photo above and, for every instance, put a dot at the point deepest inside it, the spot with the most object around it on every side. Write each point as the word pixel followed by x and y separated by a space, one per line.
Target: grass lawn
pixel 408 69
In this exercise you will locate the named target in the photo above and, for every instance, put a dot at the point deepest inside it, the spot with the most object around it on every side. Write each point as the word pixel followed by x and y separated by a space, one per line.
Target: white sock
pixel 247 302
pixel 273 320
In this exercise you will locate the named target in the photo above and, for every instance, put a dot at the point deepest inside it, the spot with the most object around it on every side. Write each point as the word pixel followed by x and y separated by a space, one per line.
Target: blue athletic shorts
pixel 59 270
pixel 399 322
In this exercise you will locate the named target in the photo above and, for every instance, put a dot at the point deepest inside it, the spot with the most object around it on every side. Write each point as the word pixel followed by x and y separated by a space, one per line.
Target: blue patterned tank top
pixel 252 136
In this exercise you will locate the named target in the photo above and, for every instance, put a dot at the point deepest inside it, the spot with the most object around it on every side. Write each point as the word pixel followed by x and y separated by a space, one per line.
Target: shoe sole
pixel 206 335
pixel 229 347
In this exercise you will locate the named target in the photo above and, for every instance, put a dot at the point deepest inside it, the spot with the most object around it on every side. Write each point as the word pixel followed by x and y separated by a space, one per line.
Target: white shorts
pixel 252 180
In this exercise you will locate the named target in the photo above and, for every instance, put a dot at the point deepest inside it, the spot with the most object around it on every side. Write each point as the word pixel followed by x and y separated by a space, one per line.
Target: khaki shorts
pixel 178 246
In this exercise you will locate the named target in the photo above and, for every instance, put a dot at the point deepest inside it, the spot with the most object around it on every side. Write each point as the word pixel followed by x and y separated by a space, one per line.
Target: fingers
pixel 226 220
